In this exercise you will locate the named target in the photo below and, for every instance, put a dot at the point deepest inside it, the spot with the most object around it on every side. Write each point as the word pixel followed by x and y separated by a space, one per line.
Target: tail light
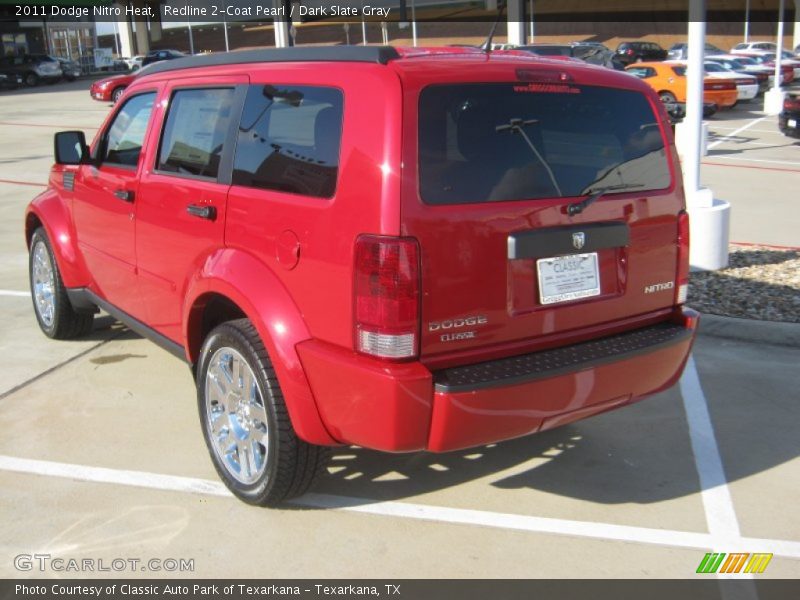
pixel 719 85
pixel 791 103
pixel 386 296
pixel 682 279
pixel 743 81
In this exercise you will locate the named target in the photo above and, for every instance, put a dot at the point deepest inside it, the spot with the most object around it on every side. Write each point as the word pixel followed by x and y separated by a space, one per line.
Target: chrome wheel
pixel 236 415
pixel 43 284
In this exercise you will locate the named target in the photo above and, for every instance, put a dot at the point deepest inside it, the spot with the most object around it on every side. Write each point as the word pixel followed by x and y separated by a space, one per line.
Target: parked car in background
pixel 743 64
pixel 159 55
pixel 668 79
pixel 767 59
pixel 592 53
pixel 69 68
pixel 746 85
pixel 10 79
pixel 680 51
pixel 753 47
pixel 33 68
pixel 366 245
pixel 631 52
pixel 111 88
pixel 133 62
pixel 789 118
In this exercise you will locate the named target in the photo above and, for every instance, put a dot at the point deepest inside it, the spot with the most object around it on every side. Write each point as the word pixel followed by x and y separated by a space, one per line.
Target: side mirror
pixel 70 148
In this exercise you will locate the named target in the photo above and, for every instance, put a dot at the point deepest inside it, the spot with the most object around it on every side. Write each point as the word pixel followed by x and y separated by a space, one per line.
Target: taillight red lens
pixel 682 287
pixel 386 296
pixel 791 103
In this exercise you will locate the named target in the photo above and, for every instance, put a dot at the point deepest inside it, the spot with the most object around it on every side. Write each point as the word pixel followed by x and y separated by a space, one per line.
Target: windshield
pixel 714 68
pixel 516 141
pixel 747 62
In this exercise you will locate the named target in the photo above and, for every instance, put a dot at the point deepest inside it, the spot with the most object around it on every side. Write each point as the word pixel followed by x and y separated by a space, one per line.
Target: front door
pixel 105 204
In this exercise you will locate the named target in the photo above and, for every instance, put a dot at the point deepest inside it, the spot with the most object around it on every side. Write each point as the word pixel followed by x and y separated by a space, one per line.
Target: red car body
pixel 290 265
pixel 103 90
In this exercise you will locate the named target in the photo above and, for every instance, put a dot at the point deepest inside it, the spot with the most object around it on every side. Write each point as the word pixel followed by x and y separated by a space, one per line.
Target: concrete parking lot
pixel 102 457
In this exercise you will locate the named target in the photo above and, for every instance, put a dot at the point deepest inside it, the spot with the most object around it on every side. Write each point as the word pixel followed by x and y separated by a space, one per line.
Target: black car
pixel 789 119
pixel 10 79
pixel 159 55
pixel 631 52
pixel 591 52
pixel 33 68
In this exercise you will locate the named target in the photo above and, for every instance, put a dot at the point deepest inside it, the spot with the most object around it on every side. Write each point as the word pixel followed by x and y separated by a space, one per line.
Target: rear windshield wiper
pixel 515 126
pixel 577 208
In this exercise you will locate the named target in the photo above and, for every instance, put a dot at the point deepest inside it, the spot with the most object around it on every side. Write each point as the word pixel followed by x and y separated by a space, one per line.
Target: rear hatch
pixel 491 169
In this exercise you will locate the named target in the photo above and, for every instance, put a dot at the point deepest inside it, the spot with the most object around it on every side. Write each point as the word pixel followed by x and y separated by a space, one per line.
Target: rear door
pixel 504 266
pixel 183 193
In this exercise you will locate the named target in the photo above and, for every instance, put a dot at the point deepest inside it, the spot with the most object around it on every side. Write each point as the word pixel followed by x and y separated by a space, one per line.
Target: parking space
pixel 102 454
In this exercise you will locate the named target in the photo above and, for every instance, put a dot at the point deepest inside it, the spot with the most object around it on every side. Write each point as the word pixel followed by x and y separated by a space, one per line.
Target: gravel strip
pixel 759 282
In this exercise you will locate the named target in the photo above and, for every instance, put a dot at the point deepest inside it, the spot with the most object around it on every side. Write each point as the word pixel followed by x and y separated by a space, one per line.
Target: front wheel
pixel 56 317
pixel 31 80
pixel 245 422
pixel 117 94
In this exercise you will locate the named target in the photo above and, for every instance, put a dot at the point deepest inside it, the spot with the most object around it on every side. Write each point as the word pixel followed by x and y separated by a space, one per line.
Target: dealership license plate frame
pixel 568 285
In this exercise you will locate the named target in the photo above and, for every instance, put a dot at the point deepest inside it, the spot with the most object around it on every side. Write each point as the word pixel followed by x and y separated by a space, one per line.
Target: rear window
pixel 679 71
pixel 517 141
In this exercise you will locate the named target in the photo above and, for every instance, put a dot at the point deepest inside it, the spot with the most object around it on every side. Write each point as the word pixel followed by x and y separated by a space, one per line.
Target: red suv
pixel 401 249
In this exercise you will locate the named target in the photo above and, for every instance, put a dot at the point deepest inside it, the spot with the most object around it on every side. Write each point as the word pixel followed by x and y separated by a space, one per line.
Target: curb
pixel 749 330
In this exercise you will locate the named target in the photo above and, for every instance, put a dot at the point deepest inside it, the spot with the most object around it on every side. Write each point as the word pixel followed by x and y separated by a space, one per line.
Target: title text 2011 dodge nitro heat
pixel 401 249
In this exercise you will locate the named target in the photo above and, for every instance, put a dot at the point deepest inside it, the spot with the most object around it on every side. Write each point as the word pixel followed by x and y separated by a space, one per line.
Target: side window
pixel 289 139
pixel 195 131
pixel 124 139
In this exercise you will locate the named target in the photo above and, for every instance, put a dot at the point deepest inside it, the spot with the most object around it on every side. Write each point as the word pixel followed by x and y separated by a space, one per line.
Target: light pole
pixel 773 99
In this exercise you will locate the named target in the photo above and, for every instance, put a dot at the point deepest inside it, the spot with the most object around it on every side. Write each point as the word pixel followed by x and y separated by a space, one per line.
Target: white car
pixel 743 64
pixel 753 47
pixel 133 63
pixel 746 85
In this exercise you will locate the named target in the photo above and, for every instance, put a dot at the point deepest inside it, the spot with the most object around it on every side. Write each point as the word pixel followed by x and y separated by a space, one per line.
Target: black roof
pixel 366 54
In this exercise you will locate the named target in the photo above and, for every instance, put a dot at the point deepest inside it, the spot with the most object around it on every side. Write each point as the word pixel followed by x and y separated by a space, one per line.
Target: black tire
pixel 667 97
pixel 65 323
pixel 117 94
pixel 291 465
pixel 31 79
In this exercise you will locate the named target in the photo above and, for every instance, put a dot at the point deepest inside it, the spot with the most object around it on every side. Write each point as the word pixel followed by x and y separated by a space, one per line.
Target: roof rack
pixel 365 54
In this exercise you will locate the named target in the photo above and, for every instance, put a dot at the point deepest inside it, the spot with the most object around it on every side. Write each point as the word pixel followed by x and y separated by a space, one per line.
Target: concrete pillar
pixel 773 99
pixel 155 23
pixel 516 22
pixel 796 40
pixel 142 39
pixel 125 34
pixel 709 218
pixel 281 28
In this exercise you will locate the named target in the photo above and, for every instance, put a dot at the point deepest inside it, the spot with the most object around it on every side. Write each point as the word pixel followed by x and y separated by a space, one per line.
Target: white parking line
pixel 759 160
pixel 733 134
pixel 581 529
pixel 717 501
pixel 15 293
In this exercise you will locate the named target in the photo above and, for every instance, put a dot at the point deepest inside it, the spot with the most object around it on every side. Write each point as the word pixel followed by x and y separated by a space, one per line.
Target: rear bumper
pixel 405 407
pixel 789 124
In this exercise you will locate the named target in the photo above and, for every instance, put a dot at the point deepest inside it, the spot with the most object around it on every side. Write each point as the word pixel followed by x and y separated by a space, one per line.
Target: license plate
pixel 565 278
pixel 793 123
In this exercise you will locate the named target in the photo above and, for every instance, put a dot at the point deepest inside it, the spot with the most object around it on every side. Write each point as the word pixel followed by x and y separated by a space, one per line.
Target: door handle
pixel 204 211
pixel 124 195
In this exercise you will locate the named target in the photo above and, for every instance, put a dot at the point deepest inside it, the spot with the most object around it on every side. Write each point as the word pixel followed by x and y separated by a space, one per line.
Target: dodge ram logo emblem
pixel 578 240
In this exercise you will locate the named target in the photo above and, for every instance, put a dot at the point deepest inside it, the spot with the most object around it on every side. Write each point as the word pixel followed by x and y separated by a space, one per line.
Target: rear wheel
pixel 245 421
pixel 56 317
pixel 31 80
pixel 667 97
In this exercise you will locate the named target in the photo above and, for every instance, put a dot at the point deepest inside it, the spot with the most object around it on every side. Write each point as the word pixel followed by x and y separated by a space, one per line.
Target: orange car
pixel 669 81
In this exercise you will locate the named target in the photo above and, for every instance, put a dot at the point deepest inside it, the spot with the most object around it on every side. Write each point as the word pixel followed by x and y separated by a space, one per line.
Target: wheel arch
pixel 48 211
pixel 233 284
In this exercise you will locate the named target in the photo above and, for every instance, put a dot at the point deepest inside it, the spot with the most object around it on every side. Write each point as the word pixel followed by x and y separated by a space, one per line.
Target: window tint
pixel 123 142
pixel 497 142
pixel 289 140
pixel 197 124
pixel 641 72
pixel 679 71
